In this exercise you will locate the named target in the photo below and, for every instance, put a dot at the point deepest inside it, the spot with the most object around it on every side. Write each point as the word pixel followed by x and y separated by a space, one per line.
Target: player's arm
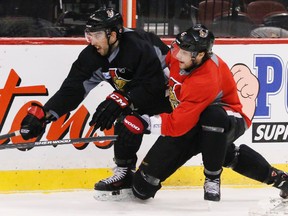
pixel 77 84
pixel 66 99
pixel 183 118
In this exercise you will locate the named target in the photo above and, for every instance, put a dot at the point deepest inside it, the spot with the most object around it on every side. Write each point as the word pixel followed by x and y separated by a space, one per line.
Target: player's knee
pixel 214 119
pixel 144 185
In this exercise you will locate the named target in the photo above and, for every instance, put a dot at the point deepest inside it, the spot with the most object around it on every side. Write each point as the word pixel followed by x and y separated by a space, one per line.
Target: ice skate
pixel 283 194
pixel 212 189
pixel 280 181
pixel 116 187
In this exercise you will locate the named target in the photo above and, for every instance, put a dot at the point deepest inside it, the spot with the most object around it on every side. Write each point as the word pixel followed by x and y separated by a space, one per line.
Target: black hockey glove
pixel 131 128
pixel 34 123
pixel 109 110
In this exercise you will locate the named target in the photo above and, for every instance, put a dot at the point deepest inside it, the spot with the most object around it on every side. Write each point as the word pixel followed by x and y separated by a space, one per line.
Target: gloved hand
pixel 137 124
pixel 34 123
pixel 109 110
pixel 130 130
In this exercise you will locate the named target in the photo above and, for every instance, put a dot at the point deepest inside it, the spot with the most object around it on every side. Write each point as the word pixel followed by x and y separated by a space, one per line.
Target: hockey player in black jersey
pixel 131 62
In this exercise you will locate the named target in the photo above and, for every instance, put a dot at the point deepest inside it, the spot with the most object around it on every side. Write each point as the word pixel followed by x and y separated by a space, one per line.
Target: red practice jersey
pixel 190 94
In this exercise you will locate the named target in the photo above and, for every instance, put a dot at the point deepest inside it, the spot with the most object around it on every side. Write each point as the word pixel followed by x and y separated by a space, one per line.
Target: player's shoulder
pixel 90 51
pixel 217 61
pixel 89 55
pixel 135 38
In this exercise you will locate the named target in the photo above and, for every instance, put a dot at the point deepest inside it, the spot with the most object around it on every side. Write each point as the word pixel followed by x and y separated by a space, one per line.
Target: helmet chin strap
pixel 108 34
pixel 194 65
pixel 193 59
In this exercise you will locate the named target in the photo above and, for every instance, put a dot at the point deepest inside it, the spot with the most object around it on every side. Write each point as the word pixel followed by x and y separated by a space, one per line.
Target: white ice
pixel 167 202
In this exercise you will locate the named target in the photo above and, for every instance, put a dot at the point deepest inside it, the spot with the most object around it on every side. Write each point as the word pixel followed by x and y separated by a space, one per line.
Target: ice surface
pixel 167 202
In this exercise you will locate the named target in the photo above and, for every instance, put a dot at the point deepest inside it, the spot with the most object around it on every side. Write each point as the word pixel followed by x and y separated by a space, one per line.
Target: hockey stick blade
pixel 12 134
pixel 57 142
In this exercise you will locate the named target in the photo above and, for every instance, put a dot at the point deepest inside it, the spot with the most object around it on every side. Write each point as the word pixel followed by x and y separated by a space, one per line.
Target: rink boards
pixel 33 70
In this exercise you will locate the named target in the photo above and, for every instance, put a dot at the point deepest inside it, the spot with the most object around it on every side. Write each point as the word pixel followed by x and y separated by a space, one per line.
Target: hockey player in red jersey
pixel 207 118
pixel 200 83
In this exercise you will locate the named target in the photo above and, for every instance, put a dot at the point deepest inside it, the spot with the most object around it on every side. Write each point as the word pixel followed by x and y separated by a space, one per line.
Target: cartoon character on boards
pixel 247 86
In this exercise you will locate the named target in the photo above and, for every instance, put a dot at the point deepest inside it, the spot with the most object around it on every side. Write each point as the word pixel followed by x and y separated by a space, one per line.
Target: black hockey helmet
pixel 196 39
pixel 105 19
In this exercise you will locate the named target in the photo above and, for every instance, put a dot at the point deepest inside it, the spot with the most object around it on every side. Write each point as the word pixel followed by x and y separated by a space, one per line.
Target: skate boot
pixel 116 187
pixel 280 180
pixel 212 189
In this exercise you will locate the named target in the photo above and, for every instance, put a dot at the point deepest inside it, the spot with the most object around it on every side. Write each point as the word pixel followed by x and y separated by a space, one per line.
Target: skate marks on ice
pixel 236 202
pixel 82 203
pixel 166 202
pixel 117 195
pixel 270 207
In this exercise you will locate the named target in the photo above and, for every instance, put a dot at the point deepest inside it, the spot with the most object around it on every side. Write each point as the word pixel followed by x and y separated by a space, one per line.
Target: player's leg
pixel 215 124
pixel 161 161
pixel 118 186
pixel 250 163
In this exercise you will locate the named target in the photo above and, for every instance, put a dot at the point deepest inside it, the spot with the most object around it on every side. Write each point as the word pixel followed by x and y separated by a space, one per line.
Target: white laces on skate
pixel 115 194
pixel 119 173
pixel 212 186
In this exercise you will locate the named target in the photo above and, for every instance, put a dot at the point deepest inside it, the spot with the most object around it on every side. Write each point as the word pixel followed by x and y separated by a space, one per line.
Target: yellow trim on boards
pixel 71 179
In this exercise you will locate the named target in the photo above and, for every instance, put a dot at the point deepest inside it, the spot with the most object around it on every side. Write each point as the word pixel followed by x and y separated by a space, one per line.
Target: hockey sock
pixel 212 174
pixel 213 147
pixel 213 137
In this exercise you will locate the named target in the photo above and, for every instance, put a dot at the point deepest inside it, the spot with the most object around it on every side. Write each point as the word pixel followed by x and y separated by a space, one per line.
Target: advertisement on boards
pixel 260 71
pixel 33 73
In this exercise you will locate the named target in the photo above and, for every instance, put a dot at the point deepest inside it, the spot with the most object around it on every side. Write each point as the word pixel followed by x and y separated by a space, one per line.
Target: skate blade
pixel 118 195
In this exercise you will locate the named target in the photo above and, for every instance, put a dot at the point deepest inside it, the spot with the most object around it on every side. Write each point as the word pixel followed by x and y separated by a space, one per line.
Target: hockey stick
pixel 12 134
pixel 58 142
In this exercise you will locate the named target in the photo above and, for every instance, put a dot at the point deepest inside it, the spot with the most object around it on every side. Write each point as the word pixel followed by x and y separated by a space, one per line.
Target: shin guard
pixel 247 162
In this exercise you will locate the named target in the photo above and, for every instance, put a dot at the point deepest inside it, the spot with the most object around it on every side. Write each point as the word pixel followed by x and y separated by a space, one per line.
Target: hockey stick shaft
pixel 58 142
pixel 12 134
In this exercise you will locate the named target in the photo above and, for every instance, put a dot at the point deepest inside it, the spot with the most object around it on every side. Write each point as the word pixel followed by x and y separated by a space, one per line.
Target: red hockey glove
pixel 130 129
pixel 137 124
pixel 109 110
pixel 34 123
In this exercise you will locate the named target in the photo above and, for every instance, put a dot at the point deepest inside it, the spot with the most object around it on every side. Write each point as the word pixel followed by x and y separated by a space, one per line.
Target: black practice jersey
pixel 134 67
